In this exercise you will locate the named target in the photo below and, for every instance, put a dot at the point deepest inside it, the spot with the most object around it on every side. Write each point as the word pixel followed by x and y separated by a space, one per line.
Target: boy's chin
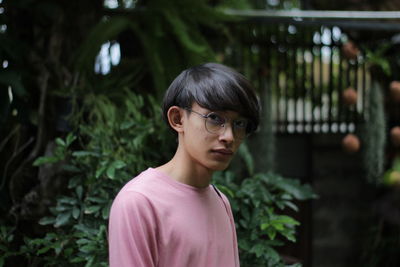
pixel 219 167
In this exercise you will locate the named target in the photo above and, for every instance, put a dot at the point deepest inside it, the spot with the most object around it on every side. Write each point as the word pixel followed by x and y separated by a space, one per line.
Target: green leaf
pixel 58 247
pixel 92 209
pixel 100 171
pixel 290 237
pixel 273 255
pixel 90 261
pixel 67 200
pixel 118 164
pixel 78 260
pixel 70 138
pixel 83 241
pixel 111 172
pixel 75 212
pixel 127 124
pixel 82 228
pixel 62 219
pixel 98 200
pixel 60 142
pixel 79 191
pixel 278 226
pixel 291 205
pixel 138 140
pixel 61 208
pixel 271 232
pixel 264 226
pixel 182 32
pixel 87 248
pixel 43 160
pixel 258 249
pixel 47 220
pixel 294 188
pixel 243 223
pixel 42 250
pixel 286 220
pixel 106 212
pixel 79 154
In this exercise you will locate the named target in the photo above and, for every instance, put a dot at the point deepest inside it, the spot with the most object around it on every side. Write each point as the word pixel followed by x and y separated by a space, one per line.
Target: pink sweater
pixel 157 221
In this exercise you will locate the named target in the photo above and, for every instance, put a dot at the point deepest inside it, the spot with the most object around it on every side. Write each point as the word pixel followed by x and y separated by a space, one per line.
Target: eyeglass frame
pixel 222 125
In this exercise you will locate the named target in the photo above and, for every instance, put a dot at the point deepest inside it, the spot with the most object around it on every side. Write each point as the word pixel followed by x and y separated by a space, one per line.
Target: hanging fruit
pixel 395 136
pixel 349 96
pixel 350 50
pixel 395 91
pixel 351 143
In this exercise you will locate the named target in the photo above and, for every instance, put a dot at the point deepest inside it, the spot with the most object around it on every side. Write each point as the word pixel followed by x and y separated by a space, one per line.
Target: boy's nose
pixel 227 135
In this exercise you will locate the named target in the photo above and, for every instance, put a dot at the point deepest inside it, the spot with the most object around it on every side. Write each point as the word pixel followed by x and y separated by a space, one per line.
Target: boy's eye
pixel 240 123
pixel 215 118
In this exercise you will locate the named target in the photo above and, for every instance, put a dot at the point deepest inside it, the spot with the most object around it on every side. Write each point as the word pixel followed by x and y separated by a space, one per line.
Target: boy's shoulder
pixel 141 183
pixel 139 190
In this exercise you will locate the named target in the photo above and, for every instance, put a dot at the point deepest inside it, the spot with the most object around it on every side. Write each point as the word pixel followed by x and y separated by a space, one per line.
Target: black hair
pixel 215 87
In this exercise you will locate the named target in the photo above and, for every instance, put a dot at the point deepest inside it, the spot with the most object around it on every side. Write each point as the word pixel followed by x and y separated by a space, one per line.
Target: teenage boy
pixel 170 216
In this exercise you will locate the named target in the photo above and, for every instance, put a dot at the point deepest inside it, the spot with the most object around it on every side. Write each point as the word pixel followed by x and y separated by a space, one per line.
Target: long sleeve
pixel 132 232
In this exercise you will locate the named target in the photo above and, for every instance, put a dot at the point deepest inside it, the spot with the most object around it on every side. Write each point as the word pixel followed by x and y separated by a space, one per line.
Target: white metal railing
pixel 316 14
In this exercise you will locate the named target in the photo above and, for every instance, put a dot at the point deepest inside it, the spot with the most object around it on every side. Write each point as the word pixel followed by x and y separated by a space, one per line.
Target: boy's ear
pixel 175 118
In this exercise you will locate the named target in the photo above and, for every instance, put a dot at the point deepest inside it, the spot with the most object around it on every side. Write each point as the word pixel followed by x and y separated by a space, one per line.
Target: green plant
pixel 376 57
pixel 259 203
pixel 169 37
pixel 122 135
pixel 375 135
pixel 6 238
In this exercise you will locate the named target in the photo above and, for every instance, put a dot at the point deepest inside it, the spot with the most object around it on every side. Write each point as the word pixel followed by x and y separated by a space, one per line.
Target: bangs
pixel 220 95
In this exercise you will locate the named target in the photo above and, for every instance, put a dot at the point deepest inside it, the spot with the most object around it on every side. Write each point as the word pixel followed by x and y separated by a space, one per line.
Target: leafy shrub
pixel 115 138
pixel 258 204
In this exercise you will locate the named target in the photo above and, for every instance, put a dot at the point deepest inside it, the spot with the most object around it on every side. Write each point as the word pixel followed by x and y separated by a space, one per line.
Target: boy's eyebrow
pixel 240 116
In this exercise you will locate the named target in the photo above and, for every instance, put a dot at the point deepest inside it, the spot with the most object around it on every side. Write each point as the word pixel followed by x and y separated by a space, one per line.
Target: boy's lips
pixel 224 151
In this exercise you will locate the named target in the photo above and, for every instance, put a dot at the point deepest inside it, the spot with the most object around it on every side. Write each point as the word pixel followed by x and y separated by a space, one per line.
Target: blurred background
pixel 81 83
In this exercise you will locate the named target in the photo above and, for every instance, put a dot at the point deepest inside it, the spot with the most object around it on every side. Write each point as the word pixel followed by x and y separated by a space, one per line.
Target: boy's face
pixel 213 150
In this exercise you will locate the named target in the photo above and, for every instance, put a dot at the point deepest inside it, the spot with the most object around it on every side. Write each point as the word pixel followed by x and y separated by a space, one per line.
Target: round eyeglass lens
pixel 214 123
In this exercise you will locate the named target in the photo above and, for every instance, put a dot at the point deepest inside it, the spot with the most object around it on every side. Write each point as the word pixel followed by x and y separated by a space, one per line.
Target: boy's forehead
pixel 229 113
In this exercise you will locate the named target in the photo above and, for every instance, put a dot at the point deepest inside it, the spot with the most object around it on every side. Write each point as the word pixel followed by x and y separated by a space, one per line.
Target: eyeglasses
pixel 216 124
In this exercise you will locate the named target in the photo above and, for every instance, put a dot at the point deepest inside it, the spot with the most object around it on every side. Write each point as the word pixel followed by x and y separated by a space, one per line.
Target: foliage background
pixel 72 136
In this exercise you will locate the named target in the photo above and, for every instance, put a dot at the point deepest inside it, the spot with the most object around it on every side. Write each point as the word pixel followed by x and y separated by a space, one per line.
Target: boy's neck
pixel 184 171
